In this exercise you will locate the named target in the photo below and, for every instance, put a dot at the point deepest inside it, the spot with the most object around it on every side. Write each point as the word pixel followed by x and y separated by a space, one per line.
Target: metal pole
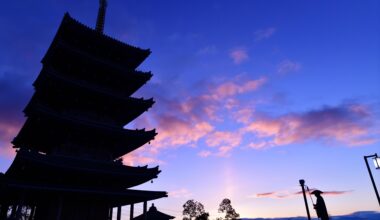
pixel 302 182
pixel 370 175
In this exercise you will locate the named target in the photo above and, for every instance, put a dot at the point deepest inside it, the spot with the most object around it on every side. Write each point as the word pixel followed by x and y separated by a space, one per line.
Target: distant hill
pixel 363 215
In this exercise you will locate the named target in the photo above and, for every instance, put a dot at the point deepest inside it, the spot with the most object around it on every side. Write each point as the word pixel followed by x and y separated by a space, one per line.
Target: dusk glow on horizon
pixel 250 96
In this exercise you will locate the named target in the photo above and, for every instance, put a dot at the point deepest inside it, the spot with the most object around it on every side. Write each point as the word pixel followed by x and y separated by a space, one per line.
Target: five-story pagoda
pixel 68 161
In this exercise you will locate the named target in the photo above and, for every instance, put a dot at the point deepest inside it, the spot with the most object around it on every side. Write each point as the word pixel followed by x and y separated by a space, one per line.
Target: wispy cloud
pixel 180 193
pixel 239 55
pixel 186 122
pixel 264 33
pixel 287 66
pixel 287 194
pixel 347 123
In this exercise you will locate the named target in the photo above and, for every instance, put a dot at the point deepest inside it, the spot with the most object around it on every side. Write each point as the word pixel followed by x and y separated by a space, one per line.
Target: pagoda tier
pixel 67 95
pixel 102 46
pixel 69 202
pixel 86 67
pixel 49 132
pixel 36 168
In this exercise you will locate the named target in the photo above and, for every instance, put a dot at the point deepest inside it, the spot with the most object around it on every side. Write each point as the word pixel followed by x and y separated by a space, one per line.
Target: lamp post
pixel 302 183
pixel 376 160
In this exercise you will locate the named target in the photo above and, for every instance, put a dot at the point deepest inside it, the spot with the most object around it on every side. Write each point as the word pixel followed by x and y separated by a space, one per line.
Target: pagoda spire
pixel 101 16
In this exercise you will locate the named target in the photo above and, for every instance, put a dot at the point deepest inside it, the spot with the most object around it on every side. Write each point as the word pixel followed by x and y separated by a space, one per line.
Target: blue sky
pixel 251 96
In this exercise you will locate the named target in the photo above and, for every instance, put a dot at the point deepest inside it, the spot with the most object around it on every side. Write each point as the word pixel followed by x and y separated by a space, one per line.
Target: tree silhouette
pixel 194 210
pixel 226 207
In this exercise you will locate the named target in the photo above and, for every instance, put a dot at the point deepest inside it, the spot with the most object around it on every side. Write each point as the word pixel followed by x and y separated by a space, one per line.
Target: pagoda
pixel 68 164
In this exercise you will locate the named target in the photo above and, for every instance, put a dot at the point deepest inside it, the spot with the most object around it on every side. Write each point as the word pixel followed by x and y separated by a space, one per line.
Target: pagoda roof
pixel 69 61
pixel 65 95
pixel 105 47
pixel 84 87
pixel 154 214
pixel 11 190
pixel 47 129
pixel 57 169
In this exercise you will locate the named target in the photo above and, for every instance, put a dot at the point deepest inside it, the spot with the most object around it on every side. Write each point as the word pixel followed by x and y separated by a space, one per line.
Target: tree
pixel 225 206
pixel 194 210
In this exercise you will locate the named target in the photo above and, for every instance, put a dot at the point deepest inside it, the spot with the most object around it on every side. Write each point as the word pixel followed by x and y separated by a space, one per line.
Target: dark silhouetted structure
pixel 154 214
pixel 320 206
pixel 68 163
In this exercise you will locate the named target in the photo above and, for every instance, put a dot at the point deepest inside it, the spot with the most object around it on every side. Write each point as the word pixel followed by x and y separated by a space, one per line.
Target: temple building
pixel 68 164
pixel 154 214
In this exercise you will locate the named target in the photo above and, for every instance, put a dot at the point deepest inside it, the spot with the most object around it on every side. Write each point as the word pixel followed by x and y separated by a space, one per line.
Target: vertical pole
pixel 59 210
pixel 31 216
pixel 110 212
pixel 302 182
pixel 370 175
pixel 119 213
pixel 13 212
pixel 4 211
pixel 145 207
pixel 131 212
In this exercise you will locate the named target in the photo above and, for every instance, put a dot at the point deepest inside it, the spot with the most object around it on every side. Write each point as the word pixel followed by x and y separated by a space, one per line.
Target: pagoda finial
pixel 101 16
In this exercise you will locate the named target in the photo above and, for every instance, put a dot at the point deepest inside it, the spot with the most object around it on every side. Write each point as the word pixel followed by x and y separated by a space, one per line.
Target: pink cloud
pixel 328 193
pixel 204 153
pixel 230 89
pixel 239 55
pixel 223 138
pixel 184 122
pixel 286 194
pixel 264 33
pixel 180 193
pixel 243 115
pixel 344 124
pixel 287 66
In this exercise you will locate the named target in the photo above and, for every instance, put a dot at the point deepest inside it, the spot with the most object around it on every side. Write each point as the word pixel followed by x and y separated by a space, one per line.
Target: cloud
pixel 180 193
pixel 264 33
pixel 287 66
pixel 286 194
pixel 329 193
pixel 243 115
pixel 347 123
pixel 239 55
pixel 231 88
pixel 186 121
pixel 204 153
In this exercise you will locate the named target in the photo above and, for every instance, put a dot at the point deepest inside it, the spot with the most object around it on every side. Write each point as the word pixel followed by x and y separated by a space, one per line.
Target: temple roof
pixel 65 95
pixel 56 169
pixel 105 47
pixel 11 190
pixel 154 214
pixel 49 130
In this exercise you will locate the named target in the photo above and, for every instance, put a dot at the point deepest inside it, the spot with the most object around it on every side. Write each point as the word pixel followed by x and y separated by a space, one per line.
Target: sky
pixel 251 96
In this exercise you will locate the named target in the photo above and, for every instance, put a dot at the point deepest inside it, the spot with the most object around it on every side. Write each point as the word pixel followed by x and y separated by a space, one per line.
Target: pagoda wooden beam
pixel 110 212
pixel 4 211
pixel 131 212
pixel 145 208
pixel 31 216
pixel 119 213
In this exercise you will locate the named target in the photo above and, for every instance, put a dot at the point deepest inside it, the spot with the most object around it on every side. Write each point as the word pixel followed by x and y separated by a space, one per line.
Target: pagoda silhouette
pixel 68 164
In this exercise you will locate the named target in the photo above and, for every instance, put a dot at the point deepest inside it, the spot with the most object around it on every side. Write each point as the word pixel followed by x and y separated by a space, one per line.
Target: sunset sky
pixel 251 96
